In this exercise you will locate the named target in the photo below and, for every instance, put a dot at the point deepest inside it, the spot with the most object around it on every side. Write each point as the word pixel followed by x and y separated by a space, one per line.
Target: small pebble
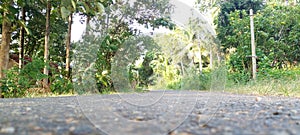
pixel 294 111
pixel 256 106
pixel 213 130
pixel 28 109
pixel 8 130
pixel 139 118
pixel 71 120
pixel 258 99
pixel 72 128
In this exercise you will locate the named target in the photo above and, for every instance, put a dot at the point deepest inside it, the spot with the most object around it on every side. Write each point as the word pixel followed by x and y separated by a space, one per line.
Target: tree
pixel 111 29
pixel 68 45
pixel 277 31
pixel 68 8
pixel 46 48
pixel 6 36
pixel 22 37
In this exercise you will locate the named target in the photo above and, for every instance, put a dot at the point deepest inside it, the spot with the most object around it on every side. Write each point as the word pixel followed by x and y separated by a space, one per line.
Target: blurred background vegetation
pixel 178 59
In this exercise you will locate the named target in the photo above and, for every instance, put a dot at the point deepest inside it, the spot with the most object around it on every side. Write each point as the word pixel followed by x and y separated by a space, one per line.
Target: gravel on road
pixel 158 112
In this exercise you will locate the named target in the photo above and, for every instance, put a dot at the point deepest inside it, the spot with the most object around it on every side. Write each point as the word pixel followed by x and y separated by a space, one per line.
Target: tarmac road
pixel 155 112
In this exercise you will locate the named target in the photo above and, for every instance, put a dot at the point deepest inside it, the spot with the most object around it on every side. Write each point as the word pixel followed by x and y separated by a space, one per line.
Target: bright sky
pixel 78 28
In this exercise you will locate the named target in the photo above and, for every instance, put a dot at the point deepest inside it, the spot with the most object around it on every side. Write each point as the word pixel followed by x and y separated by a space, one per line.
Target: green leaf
pixel 87 8
pixel 28 31
pixel 73 4
pixel 13 10
pixel 100 7
pixel 65 12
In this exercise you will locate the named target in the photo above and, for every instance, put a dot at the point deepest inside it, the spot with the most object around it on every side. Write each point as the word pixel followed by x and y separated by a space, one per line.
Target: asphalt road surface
pixel 152 113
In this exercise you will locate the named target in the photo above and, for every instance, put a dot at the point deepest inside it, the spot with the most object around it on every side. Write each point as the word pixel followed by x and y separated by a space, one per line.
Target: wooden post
pixel 253 45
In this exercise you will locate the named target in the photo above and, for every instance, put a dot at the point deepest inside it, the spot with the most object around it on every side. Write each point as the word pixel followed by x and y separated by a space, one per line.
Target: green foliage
pixel 115 35
pixel 83 70
pixel 142 74
pixel 179 64
pixel 239 77
pixel 131 67
pixel 61 85
pixel 277 45
pixel 146 71
pixel 168 75
pixel 32 72
pixel 10 84
pixel 275 82
pixel 109 46
pixel 16 83
pixel 287 74
pixel 229 6
pixel 194 80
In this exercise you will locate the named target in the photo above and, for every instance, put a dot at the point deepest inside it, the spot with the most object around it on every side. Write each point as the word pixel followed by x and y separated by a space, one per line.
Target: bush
pixel 16 82
pixel 61 85
pixel 277 42
pixel 27 81
pixel 287 74
pixel 11 84
pixel 193 80
pixel 239 77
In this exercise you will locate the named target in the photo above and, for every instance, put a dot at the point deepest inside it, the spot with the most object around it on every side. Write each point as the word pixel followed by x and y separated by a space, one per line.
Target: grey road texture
pixel 211 113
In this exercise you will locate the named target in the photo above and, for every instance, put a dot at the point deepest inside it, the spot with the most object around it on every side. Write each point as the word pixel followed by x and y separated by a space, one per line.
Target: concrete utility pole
pixel 253 45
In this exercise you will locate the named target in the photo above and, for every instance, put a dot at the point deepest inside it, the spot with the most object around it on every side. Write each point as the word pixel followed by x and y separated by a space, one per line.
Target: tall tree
pixel 68 45
pixel 85 7
pixel 22 38
pixel 68 7
pixel 6 38
pixel 47 37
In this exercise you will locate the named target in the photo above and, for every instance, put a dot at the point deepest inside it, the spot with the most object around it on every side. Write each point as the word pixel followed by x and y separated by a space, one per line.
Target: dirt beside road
pixel 171 112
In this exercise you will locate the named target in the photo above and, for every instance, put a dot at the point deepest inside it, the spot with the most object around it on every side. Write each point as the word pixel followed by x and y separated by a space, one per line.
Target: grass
pixel 40 92
pixel 271 87
pixel 283 83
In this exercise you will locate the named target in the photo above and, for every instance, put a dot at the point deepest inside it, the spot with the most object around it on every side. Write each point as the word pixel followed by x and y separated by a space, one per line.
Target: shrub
pixel 61 85
pixel 16 82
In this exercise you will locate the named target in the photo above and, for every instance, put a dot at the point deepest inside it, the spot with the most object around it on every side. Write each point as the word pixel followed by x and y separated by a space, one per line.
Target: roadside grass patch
pixel 268 87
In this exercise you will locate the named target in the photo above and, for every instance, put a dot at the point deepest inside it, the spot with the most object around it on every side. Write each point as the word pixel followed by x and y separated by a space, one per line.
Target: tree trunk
pixel 68 45
pixel 21 45
pixel 5 45
pixel 87 28
pixel 46 52
pixel 211 58
pixel 200 55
